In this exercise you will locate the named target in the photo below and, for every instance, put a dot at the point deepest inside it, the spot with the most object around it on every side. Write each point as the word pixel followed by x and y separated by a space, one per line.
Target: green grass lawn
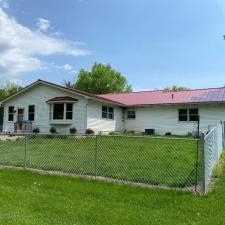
pixel 28 198
pixel 152 161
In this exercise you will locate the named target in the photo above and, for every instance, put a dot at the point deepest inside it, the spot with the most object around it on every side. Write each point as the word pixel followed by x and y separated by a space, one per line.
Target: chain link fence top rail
pixel 168 162
pixel 213 146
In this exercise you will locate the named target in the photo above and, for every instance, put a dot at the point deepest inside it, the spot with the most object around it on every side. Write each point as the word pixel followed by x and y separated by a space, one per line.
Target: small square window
pixel 131 115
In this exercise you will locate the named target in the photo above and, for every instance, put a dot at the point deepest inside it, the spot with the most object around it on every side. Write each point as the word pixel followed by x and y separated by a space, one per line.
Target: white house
pixel 47 105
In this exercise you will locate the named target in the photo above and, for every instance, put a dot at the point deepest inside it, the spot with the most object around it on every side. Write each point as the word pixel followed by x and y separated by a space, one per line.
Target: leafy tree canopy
pixel 101 79
pixel 176 88
pixel 7 89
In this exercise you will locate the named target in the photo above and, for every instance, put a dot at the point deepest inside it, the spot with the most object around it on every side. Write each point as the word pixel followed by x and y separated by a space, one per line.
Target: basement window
pixel 188 115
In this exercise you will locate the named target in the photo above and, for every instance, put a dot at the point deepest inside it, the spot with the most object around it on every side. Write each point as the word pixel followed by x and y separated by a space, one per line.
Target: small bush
pixel 168 134
pixel 36 130
pixel 89 131
pixel 73 130
pixel 53 130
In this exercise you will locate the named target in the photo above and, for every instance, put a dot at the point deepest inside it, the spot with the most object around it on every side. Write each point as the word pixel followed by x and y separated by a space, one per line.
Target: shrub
pixel 89 131
pixel 53 130
pixel 36 130
pixel 168 134
pixel 73 130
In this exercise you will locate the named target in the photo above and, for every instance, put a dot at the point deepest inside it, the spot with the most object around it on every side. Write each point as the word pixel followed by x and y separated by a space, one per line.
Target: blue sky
pixel 155 44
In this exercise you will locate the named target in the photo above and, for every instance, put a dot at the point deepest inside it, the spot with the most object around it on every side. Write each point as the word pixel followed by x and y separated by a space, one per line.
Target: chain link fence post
pixel 25 151
pixel 96 155
pixel 202 139
pixel 197 165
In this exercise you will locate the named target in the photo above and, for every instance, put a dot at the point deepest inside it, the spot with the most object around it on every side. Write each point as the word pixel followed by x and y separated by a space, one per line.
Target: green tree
pixel 176 88
pixel 101 79
pixel 6 90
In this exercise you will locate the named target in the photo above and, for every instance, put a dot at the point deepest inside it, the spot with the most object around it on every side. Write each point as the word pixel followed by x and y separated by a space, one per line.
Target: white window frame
pixel 108 112
pixel 131 112
pixel 64 111
pixel 188 115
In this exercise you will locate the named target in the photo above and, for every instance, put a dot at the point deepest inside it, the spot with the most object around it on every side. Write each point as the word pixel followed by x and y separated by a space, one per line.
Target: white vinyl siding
pixel 38 95
pixel 165 119
pixel 97 123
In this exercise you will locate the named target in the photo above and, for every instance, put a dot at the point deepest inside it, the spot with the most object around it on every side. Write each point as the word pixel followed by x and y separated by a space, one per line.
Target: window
pixel 188 115
pixel 31 112
pixel 58 111
pixel 107 112
pixel 69 111
pixel 62 111
pixel 183 115
pixel 131 115
pixel 11 113
pixel 193 114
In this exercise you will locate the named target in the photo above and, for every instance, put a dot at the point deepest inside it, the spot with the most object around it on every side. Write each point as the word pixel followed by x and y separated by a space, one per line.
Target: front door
pixel 20 117
pixel 20 114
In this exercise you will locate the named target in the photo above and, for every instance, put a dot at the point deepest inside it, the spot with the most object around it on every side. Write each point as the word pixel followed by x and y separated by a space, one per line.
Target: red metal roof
pixel 63 99
pixel 161 97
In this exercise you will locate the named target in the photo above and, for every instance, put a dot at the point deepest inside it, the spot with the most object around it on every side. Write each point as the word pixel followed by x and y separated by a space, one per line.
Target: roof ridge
pixel 162 90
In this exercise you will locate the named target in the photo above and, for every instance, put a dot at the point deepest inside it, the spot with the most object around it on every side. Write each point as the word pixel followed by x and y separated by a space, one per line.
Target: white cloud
pixel 67 67
pixel 21 47
pixel 43 24
pixel 4 4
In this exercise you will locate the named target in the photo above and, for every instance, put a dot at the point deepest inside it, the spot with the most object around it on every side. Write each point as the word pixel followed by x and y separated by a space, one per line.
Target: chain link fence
pixel 158 161
pixel 183 163
pixel 213 147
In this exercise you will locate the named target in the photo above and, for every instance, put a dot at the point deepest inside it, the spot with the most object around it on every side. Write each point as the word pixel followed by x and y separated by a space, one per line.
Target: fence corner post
pixel 203 187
